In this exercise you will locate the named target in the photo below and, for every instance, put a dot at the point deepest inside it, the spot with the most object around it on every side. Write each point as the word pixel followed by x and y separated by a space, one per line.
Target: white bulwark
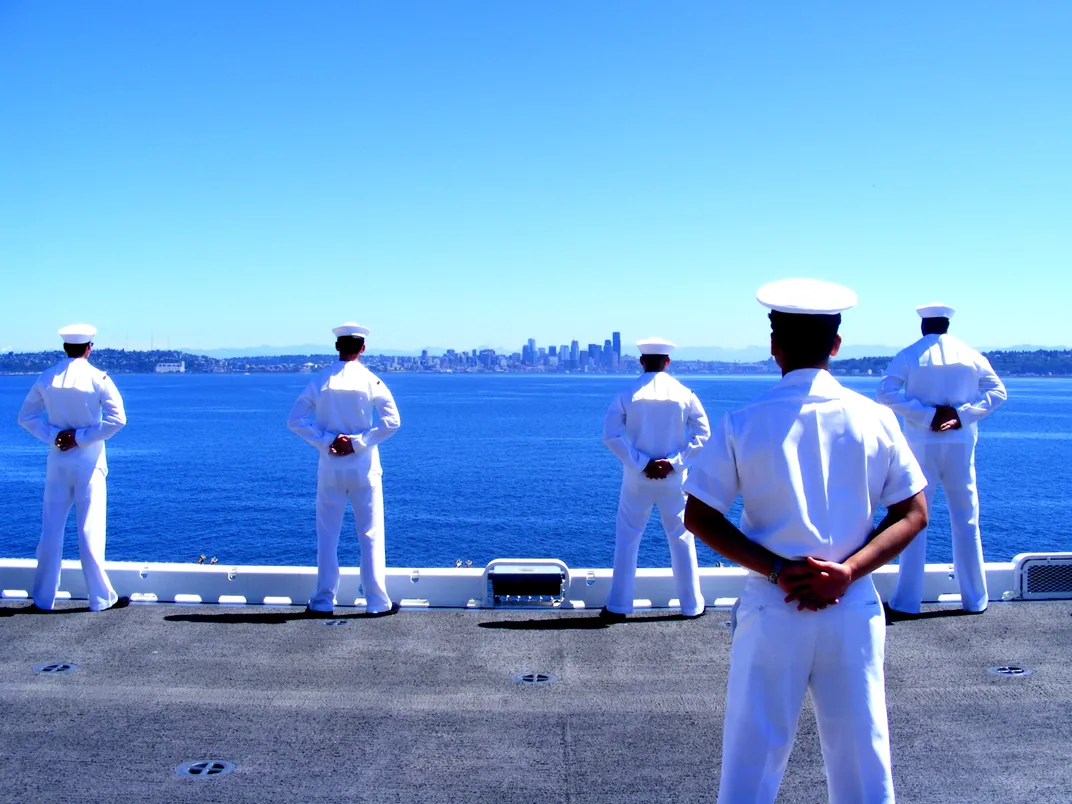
pixel 461 588
pixel 175 367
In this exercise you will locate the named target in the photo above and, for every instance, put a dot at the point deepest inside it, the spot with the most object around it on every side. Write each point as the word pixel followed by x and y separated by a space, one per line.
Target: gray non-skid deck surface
pixel 419 707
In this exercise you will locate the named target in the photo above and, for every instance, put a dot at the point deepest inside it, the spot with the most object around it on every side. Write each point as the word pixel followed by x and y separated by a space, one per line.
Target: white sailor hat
pixel 655 346
pixel 935 311
pixel 78 333
pixel 350 329
pixel 806 297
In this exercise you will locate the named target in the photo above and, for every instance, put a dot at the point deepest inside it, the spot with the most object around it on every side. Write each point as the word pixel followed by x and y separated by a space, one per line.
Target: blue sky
pixel 207 173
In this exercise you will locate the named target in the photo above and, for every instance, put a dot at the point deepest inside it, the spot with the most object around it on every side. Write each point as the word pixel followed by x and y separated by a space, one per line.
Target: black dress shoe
pixel 33 608
pixel 393 610
pixel 121 603
pixel 895 616
pixel 698 615
pixel 319 615
pixel 609 616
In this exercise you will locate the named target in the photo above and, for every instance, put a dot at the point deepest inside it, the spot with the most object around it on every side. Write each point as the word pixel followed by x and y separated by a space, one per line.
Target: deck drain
pixel 205 768
pixel 56 667
pixel 336 623
pixel 533 678
pixel 1010 670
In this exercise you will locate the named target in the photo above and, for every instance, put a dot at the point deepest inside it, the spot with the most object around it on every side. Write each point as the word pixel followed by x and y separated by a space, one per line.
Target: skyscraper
pixel 616 337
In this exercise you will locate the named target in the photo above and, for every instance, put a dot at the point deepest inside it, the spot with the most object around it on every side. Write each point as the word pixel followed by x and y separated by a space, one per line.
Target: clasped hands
pixel 342 445
pixel 658 469
pixel 814 584
pixel 65 440
pixel 945 418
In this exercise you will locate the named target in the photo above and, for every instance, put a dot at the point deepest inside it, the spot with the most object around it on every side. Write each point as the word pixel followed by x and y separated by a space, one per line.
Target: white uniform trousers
pixel 634 509
pixel 952 465
pixel 778 653
pixel 332 492
pixel 84 486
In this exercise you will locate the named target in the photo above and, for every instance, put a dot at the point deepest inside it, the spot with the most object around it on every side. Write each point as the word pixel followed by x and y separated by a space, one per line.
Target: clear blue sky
pixel 209 173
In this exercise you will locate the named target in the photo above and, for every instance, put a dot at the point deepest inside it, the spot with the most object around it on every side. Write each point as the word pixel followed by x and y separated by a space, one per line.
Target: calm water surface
pixel 485 466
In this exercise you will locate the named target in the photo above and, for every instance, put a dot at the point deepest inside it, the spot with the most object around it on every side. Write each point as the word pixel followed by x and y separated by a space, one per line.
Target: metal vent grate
pixel 56 667
pixel 1051 578
pixel 205 768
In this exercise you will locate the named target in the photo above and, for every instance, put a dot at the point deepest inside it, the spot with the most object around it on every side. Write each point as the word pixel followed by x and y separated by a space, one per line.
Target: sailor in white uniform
pixel 942 388
pixel 74 408
pixel 812 462
pixel 655 427
pixel 346 412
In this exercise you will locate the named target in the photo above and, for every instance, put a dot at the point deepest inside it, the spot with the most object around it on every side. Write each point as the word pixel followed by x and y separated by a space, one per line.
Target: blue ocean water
pixel 484 466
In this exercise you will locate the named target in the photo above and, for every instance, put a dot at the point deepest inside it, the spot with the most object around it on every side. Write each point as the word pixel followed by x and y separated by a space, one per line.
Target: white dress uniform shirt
pixel 74 395
pixel 941 370
pixel 655 418
pixel 812 462
pixel 345 399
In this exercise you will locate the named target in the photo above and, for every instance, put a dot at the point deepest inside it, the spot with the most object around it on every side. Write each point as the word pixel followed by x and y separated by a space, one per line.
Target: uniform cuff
pixel 706 498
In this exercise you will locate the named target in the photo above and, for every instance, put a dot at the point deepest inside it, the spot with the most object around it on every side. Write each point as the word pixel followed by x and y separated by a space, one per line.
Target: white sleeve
pixel 32 416
pixel 113 416
pixel 904 477
pixel 616 439
pixel 713 477
pixel 992 395
pixel 302 420
pixel 891 393
pixel 389 420
pixel 697 430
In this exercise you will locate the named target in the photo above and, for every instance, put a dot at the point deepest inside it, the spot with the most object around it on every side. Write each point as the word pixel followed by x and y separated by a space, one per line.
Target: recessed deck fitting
pixel 1010 670
pixel 205 768
pixel 533 678
pixel 56 667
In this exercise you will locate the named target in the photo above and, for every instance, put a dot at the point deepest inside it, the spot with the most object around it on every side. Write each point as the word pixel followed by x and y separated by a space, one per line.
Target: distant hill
pixel 757 354
pixel 1034 362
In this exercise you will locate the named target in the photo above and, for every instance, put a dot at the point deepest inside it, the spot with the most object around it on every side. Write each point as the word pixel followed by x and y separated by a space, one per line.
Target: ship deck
pixel 421 706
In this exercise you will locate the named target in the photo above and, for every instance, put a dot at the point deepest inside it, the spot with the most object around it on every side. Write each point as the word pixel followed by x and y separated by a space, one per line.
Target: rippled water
pixel 484 466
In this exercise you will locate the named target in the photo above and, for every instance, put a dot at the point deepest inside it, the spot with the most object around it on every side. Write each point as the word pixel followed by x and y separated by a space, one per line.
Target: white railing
pixel 432 587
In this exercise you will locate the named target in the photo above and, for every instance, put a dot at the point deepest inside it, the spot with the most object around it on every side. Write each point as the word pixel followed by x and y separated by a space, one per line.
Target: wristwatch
pixel 776 570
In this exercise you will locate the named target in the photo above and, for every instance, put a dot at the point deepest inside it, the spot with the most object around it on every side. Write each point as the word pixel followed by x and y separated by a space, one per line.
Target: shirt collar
pixel 811 377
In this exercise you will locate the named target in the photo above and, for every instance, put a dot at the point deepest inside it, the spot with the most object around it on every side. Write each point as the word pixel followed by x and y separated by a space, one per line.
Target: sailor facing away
pixel 346 412
pixel 812 462
pixel 942 388
pixel 74 408
pixel 655 427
